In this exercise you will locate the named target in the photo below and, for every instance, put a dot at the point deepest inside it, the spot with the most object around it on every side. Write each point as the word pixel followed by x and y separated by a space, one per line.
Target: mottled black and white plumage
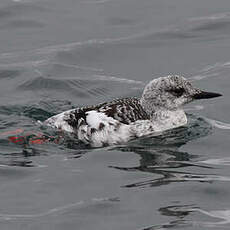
pixel 125 110
pixel 121 120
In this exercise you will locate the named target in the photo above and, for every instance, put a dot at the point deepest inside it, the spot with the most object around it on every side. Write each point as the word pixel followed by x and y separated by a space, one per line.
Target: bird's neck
pixel 168 119
pixel 162 117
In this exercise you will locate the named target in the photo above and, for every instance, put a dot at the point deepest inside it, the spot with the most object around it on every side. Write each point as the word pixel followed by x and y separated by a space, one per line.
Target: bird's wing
pixel 125 110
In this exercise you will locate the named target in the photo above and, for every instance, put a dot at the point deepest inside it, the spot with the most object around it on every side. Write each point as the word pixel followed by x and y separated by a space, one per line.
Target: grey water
pixel 56 55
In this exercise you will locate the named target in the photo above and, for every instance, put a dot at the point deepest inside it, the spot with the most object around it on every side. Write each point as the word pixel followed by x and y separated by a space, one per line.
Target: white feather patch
pixel 100 130
pixel 59 122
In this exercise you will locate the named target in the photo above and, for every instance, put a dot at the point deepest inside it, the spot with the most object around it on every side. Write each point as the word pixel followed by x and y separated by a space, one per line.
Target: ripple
pixel 217 161
pixel 81 205
pixel 212 17
pixel 95 1
pixel 16 9
pixel 213 26
pixel 17 24
pixel 194 29
pixel 182 211
pixel 224 215
pixel 44 83
pixel 25 64
pixel 42 214
pixel 218 124
pixel 36 113
pixel 219 70
pixel 27 111
pixel 194 108
pixel 9 74
pixel 92 86
pixel 170 176
pixel 118 21
pixel 79 88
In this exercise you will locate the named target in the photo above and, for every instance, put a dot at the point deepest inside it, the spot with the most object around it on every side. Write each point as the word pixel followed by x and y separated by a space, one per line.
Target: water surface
pixel 56 55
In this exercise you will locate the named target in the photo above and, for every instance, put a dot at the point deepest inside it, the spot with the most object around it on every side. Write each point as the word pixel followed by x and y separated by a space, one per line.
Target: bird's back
pixel 124 110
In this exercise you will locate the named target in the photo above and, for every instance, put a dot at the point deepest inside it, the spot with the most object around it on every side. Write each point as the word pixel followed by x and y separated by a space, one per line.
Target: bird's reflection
pixel 219 218
pixel 161 155
pixel 177 211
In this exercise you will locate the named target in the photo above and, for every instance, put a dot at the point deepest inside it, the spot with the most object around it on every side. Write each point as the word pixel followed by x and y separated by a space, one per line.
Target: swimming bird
pixel 120 120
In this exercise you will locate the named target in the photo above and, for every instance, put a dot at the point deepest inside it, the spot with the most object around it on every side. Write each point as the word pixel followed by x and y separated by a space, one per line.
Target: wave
pixel 39 215
pixel 217 124
pixel 192 30
pixel 97 87
pixel 16 9
pixel 95 1
pixel 217 70
pixel 217 161
pixel 84 1
pixel 212 17
pixel 76 205
pixel 180 212
pixel 16 24
pixel 167 177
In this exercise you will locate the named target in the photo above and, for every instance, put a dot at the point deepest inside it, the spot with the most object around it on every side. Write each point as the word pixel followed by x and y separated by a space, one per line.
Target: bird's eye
pixel 178 92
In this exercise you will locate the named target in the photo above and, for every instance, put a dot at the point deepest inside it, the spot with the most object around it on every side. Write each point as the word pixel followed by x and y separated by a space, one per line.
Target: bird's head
pixel 170 93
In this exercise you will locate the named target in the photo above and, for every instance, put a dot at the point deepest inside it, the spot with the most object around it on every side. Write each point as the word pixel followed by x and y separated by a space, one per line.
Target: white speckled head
pixel 170 93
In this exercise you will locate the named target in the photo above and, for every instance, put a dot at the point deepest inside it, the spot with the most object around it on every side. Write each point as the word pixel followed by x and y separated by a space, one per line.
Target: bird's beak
pixel 206 95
